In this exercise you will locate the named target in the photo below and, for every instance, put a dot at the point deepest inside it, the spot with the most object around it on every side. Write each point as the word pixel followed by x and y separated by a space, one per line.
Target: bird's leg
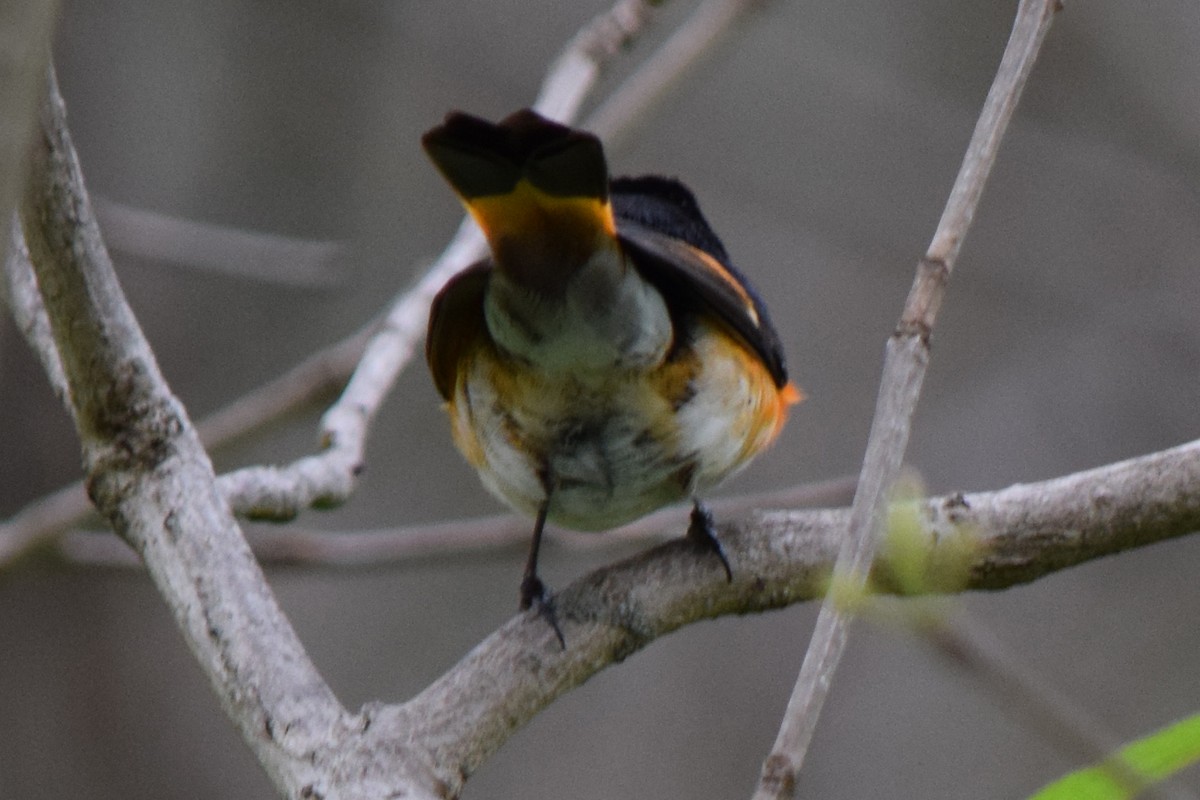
pixel 533 591
pixel 703 531
pixel 532 588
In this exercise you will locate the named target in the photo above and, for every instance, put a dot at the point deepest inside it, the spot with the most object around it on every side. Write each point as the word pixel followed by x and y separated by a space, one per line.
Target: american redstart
pixel 607 359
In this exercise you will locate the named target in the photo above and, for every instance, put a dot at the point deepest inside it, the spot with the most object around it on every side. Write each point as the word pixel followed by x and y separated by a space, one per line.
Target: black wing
pixel 456 324
pixel 672 246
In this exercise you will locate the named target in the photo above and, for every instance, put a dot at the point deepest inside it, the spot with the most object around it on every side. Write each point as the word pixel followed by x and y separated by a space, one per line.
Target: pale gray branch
pixel 1018 534
pixel 680 53
pixel 905 364
pixel 573 74
pixel 253 255
pixel 153 482
pixel 455 539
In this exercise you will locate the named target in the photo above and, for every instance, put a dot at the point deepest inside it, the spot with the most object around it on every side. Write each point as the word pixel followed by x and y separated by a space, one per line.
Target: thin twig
pixel 1023 695
pixel 574 73
pixel 313 380
pixel 455 539
pixel 250 255
pixel 20 293
pixel 903 373
pixel 692 40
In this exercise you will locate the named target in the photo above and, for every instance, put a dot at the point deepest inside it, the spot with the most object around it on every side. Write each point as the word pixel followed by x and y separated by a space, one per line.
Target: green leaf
pixel 1136 766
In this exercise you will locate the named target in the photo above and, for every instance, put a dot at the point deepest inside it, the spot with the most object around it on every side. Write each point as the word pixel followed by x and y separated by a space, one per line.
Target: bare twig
pixel 903 373
pixel 253 255
pixel 573 74
pixel 20 293
pixel 392 546
pixel 1030 700
pixel 328 478
pixel 680 53
pixel 315 379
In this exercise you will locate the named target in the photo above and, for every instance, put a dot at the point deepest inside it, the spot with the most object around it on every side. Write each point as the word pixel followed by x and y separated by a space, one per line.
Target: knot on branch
pixel 924 299
pixel 778 776
pixel 613 30
pixel 131 434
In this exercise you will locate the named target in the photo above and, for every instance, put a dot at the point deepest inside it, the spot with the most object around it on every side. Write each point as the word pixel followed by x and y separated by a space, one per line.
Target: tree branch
pixel 686 46
pixel 454 539
pixel 1017 534
pixel 151 479
pixel 904 368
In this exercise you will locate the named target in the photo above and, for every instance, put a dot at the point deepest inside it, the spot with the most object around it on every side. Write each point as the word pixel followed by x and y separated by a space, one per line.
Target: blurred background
pixel 822 140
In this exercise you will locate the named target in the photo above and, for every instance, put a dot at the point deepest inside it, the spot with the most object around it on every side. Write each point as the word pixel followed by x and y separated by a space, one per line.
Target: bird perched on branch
pixel 607 359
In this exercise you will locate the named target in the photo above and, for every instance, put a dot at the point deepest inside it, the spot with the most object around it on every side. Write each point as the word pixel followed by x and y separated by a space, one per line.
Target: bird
pixel 606 359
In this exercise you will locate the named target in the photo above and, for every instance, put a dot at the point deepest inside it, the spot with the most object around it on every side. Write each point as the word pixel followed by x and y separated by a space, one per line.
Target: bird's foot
pixel 534 595
pixel 703 531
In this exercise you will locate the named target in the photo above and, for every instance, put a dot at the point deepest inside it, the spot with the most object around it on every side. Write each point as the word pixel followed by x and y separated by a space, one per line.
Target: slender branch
pixel 903 374
pixel 315 379
pixel 573 74
pixel 251 255
pixel 696 37
pixel 1021 694
pixel 20 293
pixel 1017 535
pixel 393 546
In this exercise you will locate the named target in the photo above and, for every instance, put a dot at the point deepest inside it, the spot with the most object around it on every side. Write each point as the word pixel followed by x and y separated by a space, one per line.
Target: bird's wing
pixel 456 325
pixel 688 275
